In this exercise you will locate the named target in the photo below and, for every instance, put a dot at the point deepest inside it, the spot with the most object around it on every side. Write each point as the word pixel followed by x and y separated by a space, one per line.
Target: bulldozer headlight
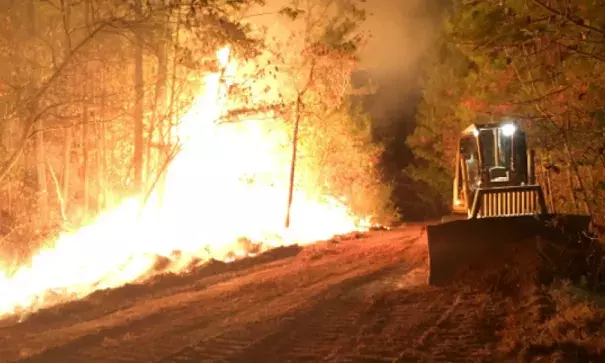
pixel 508 129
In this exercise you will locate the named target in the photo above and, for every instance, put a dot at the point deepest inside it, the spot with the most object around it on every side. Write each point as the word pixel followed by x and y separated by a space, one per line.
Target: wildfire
pixel 228 182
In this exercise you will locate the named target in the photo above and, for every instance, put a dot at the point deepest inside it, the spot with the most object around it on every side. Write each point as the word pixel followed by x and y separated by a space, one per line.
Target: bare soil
pixel 359 300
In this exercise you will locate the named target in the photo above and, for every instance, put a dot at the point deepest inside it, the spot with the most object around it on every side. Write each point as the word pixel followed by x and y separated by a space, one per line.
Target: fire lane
pixel 352 301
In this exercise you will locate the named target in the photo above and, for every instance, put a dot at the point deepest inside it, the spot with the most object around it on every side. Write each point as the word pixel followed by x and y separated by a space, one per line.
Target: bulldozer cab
pixel 492 159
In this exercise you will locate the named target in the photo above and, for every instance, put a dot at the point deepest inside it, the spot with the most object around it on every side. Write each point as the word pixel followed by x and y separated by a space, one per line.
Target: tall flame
pixel 207 207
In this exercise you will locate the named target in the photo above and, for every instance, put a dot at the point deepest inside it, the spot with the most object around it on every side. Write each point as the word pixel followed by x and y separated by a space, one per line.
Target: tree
pixel 138 108
pixel 317 63
pixel 539 62
pixel 67 113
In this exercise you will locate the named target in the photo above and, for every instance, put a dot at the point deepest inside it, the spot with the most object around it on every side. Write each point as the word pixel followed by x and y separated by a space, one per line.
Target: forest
pixel 538 62
pixel 97 97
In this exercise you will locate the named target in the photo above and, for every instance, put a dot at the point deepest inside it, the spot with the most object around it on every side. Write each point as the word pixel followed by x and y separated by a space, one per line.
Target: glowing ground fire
pixel 209 204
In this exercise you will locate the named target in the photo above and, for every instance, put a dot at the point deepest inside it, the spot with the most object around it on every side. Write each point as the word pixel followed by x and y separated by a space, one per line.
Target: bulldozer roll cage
pixel 494 174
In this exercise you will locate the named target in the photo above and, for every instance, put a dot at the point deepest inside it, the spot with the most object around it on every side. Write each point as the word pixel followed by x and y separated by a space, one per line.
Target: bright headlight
pixel 508 129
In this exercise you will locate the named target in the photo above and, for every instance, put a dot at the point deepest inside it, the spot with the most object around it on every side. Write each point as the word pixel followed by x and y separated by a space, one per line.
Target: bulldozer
pixel 495 201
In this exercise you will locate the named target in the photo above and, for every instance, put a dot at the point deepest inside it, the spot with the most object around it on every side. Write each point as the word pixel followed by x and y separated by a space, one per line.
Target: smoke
pixel 401 34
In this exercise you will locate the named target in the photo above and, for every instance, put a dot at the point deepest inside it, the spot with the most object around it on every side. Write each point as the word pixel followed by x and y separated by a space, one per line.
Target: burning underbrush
pixel 162 277
pixel 224 198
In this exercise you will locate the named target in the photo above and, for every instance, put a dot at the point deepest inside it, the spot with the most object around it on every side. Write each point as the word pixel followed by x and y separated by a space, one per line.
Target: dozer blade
pixel 466 244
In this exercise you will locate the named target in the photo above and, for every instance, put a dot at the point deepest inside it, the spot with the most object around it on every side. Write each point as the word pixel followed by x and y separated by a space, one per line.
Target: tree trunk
pixel 69 132
pixel 84 151
pixel 13 128
pixel 293 162
pixel 39 137
pixel 102 155
pixel 549 195
pixel 166 136
pixel 138 109
pixel 41 171
pixel 160 109
pixel 86 88
pixel 173 81
pixel 572 189
pixel 155 142
pixel 573 165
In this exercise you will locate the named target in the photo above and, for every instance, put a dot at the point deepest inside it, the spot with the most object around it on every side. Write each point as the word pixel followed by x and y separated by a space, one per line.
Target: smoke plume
pixel 401 34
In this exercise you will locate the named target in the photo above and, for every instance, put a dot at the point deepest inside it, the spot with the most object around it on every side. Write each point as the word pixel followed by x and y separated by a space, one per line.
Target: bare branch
pixel 581 52
pixel 541 97
pixel 29 126
pixel 580 23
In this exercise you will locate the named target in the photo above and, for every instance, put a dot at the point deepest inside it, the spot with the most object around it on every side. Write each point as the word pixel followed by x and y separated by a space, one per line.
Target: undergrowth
pixel 559 323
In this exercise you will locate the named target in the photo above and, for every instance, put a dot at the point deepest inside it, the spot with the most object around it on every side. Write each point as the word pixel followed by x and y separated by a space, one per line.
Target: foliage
pixel 536 61
pixel 340 157
pixel 303 78
pixel 335 135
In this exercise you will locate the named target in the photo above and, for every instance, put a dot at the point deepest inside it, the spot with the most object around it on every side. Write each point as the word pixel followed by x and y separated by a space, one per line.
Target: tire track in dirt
pixel 396 322
pixel 235 315
pixel 65 322
pixel 312 334
pixel 270 319
pixel 360 302
pixel 467 330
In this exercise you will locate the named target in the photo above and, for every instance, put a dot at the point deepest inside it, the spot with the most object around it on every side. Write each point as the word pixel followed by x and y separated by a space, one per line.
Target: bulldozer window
pixel 470 154
pixel 496 152
pixel 486 140
pixel 520 157
pixel 468 147
pixel 496 148
pixel 504 148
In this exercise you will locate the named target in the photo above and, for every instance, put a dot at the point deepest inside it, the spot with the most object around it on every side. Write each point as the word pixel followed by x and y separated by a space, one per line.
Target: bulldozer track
pixel 308 334
pixel 350 329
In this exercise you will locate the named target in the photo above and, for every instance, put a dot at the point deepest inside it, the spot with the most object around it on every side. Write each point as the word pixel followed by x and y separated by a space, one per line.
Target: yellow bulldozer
pixel 496 201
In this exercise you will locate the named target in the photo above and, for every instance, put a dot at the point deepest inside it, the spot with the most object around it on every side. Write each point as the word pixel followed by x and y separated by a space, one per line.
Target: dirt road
pixel 361 300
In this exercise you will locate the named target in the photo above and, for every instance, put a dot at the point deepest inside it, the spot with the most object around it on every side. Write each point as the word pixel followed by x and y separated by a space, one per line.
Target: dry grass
pixel 555 324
